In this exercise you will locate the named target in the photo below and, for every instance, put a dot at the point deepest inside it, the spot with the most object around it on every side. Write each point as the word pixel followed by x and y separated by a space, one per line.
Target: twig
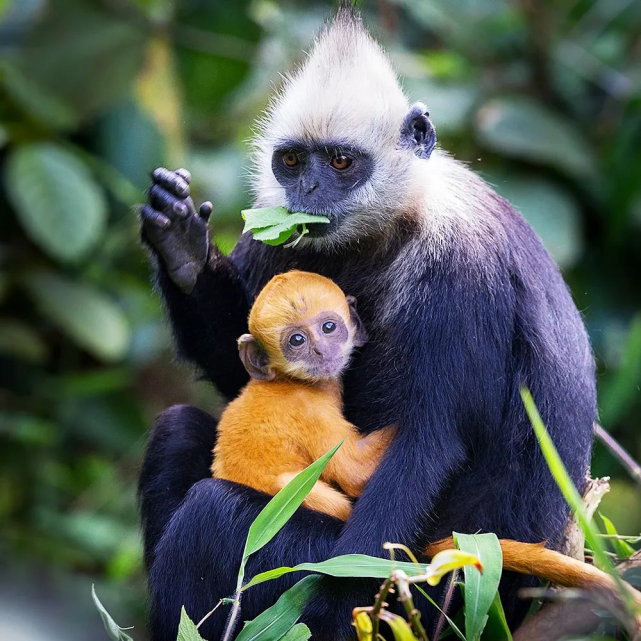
pixel 633 468
pixel 379 604
pixel 233 615
pixel 209 614
pixel 405 597
pixel 446 604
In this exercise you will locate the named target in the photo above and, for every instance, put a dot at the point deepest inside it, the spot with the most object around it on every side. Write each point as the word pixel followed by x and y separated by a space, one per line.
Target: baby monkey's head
pixel 302 326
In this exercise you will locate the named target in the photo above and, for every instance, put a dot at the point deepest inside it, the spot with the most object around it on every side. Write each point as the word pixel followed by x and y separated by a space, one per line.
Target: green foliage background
pixel 543 98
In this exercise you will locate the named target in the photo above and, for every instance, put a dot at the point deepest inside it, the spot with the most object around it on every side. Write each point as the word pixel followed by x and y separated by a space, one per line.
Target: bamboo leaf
pixel 623 549
pixel 480 589
pixel 115 632
pixel 276 621
pixel 280 509
pixel 497 628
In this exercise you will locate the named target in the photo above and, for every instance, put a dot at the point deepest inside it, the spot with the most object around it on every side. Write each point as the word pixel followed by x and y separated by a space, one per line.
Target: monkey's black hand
pixel 173 228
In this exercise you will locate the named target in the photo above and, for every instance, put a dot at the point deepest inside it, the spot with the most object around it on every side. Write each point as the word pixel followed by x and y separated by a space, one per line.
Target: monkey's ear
pixel 417 131
pixel 360 333
pixel 254 358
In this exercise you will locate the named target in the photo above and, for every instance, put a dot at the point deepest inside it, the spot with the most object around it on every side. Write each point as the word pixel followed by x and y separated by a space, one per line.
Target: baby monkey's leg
pixel 322 498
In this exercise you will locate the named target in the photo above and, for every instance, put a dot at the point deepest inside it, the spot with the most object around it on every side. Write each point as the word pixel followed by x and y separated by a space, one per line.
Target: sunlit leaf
pixel 623 549
pixel 56 199
pixel 399 626
pixel 187 630
pixel 274 622
pixel 115 632
pixel 480 589
pixel 84 313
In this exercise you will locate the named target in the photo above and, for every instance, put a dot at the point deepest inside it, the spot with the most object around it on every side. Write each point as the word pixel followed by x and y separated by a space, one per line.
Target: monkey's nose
pixel 310 187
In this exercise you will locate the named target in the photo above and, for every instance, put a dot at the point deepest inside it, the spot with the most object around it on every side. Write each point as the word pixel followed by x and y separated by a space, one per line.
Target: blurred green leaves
pixel 56 199
pixel 85 314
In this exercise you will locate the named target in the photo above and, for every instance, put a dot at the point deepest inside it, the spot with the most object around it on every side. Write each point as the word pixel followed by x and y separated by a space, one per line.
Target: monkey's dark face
pixel 318 347
pixel 320 179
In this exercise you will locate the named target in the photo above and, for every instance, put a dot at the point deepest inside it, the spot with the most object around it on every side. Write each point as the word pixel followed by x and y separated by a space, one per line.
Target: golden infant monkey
pixel 303 330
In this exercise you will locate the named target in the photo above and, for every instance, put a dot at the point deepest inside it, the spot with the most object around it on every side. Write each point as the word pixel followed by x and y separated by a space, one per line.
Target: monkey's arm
pixel 202 289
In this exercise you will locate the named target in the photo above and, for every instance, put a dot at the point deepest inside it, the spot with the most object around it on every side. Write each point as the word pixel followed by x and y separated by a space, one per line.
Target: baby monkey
pixel 303 331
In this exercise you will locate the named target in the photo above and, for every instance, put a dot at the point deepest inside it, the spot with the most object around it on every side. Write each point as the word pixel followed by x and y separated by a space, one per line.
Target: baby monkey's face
pixel 318 347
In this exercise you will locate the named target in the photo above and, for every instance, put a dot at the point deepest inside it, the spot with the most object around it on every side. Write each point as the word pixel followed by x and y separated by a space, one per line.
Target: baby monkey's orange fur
pixel 290 412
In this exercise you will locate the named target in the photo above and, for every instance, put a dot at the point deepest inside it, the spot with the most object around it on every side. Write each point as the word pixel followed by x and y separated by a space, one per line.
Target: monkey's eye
pixel 329 327
pixel 340 162
pixel 296 340
pixel 290 159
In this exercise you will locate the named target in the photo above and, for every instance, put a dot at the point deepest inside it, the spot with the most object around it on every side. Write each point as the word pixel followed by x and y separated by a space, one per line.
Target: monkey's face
pixel 317 348
pixel 322 179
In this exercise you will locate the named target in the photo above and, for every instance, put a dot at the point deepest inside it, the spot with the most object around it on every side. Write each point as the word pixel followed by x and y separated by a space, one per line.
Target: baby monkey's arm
pixel 358 457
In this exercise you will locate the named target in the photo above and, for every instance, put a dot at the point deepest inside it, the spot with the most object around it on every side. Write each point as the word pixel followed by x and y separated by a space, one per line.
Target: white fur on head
pixel 345 91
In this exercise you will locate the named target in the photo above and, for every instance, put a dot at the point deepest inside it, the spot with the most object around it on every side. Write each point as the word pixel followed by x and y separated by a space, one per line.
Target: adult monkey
pixel 463 306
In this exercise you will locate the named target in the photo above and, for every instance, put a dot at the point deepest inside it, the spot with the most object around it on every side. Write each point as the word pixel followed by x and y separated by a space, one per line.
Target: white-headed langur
pixel 462 305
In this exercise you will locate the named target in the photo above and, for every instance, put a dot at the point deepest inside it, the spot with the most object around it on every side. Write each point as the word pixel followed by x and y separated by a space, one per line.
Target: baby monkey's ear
pixel 254 358
pixel 360 333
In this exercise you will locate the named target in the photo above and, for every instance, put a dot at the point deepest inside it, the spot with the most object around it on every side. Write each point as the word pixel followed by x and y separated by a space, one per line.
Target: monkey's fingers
pixel 172 181
pixel 172 207
pixel 184 174
pixel 150 216
pixel 205 210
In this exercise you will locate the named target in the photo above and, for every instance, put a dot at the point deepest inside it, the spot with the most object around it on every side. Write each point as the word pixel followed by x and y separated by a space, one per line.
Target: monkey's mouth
pixel 321 230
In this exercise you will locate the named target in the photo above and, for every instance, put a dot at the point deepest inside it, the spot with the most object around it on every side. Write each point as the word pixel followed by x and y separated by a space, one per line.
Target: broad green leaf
pixel 273 235
pixel 115 632
pixel 480 589
pixel 85 314
pixel 56 199
pixel 187 630
pixel 275 225
pixel 521 127
pixel 276 621
pixel 280 509
pixel 300 632
pixel 497 628
pixel 623 549
pixel 263 217
pixel 399 626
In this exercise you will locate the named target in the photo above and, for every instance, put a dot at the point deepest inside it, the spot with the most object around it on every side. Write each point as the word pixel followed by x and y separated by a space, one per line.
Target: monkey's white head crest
pixel 346 89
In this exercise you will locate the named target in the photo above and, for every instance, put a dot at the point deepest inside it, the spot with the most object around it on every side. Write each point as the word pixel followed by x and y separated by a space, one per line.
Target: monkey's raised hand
pixel 173 228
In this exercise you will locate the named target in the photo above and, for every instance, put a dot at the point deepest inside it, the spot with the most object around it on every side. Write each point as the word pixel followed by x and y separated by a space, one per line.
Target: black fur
pixel 444 363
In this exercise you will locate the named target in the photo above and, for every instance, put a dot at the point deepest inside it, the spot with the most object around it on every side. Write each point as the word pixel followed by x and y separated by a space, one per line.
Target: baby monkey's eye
pixel 296 340
pixel 340 162
pixel 329 327
pixel 290 159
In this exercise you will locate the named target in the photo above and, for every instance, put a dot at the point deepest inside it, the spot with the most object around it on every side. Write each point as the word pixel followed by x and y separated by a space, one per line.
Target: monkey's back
pixel 275 428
